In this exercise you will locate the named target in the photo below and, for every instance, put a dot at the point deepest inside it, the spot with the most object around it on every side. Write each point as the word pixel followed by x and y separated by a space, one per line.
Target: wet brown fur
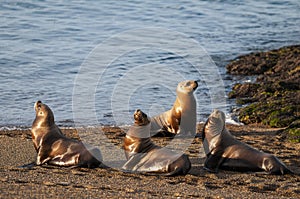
pixel 53 147
pixel 136 148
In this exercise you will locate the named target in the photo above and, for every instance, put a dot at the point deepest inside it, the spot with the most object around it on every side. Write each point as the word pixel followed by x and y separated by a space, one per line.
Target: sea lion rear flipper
pixel 273 165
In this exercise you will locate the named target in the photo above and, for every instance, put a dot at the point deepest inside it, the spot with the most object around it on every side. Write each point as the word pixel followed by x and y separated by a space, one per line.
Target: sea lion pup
pixel 143 156
pixel 54 148
pixel 225 152
pixel 182 117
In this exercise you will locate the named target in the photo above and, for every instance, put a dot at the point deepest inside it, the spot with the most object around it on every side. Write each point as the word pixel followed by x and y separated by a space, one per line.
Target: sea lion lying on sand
pixel 143 156
pixel 54 148
pixel 225 152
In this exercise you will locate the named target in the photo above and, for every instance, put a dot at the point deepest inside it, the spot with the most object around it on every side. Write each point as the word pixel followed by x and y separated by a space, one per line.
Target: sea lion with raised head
pixel 143 156
pixel 225 152
pixel 56 149
pixel 182 117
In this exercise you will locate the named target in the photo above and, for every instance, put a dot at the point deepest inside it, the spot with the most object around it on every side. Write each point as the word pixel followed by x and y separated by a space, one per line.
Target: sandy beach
pixel 53 182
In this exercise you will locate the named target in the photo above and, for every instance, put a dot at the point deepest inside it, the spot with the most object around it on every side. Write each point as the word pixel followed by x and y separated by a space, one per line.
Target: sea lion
pixel 182 117
pixel 143 156
pixel 54 148
pixel 225 152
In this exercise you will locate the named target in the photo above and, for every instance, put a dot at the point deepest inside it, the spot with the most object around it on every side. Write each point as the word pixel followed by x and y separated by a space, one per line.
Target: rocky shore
pixel 274 98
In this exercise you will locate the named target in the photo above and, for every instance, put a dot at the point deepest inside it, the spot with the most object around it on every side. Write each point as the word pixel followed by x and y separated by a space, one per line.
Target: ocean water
pixel 95 62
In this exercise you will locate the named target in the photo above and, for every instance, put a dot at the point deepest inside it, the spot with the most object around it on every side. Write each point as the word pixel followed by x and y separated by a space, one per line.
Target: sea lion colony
pixel 222 150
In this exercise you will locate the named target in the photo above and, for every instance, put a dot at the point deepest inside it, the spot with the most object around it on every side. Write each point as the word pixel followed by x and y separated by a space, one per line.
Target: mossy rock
pixel 293 131
pixel 280 118
pixel 285 59
pixel 246 90
pixel 274 98
pixel 272 114
pixel 294 134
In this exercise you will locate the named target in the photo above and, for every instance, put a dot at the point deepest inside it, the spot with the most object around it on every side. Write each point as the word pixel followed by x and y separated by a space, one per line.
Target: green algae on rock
pixel 274 99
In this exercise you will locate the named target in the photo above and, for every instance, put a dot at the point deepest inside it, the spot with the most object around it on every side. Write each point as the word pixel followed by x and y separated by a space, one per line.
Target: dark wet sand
pixel 53 182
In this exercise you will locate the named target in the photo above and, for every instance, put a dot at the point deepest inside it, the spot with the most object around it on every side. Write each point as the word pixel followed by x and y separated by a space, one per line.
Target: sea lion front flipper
pixel 28 166
pixel 160 122
pixel 42 156
pixel 213 162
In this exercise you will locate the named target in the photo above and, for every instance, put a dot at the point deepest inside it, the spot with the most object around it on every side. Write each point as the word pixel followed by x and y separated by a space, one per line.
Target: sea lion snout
pixel 136 114
pixel 37 105
pixel 192 83
pixel 217 115
pixel 137 111
pixel 195 85
pixel 188 86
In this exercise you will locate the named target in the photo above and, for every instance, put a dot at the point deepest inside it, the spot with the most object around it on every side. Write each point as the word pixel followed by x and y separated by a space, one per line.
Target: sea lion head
pixel 140 118
pixel 43 115
pixel 187 86
pixel 215 123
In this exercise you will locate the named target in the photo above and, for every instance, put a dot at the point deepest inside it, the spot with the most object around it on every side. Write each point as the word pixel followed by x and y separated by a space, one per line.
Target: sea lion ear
pixel 41 112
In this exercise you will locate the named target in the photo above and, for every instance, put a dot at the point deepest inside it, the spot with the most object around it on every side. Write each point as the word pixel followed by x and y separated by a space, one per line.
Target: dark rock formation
pixel 274 99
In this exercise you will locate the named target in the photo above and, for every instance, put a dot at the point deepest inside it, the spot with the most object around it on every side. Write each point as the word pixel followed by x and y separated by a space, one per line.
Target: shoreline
pixel 17 149
pixel 48 181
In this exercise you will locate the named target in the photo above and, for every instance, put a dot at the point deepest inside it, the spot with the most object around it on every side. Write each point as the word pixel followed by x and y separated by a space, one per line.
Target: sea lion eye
pixel 41 113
